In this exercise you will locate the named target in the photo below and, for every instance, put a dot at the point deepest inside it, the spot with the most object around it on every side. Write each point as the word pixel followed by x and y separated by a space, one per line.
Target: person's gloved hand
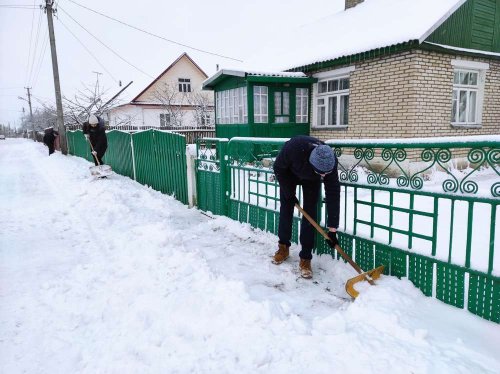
pixel 333 241
pixel 94 153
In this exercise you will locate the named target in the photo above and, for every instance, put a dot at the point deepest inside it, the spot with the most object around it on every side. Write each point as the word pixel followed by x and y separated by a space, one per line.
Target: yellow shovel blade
pixel 368 275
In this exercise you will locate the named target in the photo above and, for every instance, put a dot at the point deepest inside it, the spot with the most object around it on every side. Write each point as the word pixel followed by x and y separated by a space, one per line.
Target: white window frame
pixel 338 74
pixel 260 111
pixel 465 66
pixel 302 105
pixel 163 119
pixel 184 84
pixel 231 106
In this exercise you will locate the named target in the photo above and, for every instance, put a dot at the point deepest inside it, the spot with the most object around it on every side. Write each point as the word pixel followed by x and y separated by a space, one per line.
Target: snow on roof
pixel 370 25
pixel 243 73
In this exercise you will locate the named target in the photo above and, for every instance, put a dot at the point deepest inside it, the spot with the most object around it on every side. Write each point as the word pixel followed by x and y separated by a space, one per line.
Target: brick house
pixel 399 68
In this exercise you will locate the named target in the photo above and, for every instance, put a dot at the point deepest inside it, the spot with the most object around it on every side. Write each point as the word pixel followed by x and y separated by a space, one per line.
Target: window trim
pixel 299 100
pixel 327 95
pixel 185 83
pixel 263 115
pixel 471 67
pixel 231 106
pixel 165 115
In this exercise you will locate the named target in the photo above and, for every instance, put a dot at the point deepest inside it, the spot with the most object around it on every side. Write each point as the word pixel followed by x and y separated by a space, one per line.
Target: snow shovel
pixel 369 276
pixel 99 171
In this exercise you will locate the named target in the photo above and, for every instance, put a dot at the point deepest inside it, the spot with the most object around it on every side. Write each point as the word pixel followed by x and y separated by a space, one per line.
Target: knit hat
pixel 93 120
pixel 322 159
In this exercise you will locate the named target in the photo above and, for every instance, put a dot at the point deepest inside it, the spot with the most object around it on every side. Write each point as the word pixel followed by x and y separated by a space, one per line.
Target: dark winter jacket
pixel 49 137
pixel 97 136
pixel 292 167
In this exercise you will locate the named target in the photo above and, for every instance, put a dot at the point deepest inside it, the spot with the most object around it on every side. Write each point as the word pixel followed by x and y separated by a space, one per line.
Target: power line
pixel 40 62
pixel 89 52
pixel 31 40
pixel 36 46
pixel 115 53
pixel 18 6
pixel 155 35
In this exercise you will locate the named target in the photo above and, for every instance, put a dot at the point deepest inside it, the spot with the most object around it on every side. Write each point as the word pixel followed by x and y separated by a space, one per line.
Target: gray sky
pixel 233 28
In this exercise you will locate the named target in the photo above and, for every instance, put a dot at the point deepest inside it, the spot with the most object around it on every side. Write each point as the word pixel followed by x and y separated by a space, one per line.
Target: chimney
pixel 352 3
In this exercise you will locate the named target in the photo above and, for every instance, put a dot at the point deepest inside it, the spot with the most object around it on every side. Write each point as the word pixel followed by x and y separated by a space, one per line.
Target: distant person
pixel 49 138
pixel 306 161
pixel 95 132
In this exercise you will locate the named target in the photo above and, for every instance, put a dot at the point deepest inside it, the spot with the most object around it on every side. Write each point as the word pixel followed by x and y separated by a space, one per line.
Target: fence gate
pixel 211 175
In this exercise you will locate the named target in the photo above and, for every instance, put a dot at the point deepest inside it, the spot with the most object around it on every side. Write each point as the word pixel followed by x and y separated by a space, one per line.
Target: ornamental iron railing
pixel 426 209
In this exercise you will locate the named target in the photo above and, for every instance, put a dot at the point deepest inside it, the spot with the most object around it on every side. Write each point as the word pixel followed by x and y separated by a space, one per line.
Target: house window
pixel 260 104
pixel 465 96
pixel 281 107
pixel 468 92
pixel 184 85
pixel 164 119
pixel 206 119
pixel 231 106
pixel 332 102
pixel 302 105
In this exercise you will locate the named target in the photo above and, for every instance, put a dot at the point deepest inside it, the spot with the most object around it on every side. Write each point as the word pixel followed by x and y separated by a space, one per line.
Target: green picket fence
pixel 154 158
pixel 440 232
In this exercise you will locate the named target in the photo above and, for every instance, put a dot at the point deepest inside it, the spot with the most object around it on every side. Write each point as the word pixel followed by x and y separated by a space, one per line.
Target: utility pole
pixel 97 82
pixel 55 70
pixel 31 113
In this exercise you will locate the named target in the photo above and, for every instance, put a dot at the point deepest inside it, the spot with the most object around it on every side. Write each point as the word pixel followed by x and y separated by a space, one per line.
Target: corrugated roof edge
pixel 208 83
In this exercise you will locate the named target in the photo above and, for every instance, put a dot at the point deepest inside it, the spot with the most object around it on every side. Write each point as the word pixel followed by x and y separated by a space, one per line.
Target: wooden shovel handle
pixel 93 155
pixel 337 247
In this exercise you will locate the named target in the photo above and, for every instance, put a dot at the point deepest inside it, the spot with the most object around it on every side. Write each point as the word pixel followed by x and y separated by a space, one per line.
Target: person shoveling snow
pixel 95 133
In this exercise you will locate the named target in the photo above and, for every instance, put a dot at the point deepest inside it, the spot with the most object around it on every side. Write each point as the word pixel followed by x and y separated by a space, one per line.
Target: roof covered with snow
pixel 370 25
pixel 217 77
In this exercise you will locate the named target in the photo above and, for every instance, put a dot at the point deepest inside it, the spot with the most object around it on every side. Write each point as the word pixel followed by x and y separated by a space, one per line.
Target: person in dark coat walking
pixel 49 138
pixel 95 132
pixel 306 161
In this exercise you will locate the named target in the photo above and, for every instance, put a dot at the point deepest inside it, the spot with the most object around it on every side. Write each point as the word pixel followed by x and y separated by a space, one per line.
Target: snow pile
pixel 110 276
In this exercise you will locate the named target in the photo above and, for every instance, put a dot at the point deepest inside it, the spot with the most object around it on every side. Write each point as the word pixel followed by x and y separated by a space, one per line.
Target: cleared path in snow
pixel 110 276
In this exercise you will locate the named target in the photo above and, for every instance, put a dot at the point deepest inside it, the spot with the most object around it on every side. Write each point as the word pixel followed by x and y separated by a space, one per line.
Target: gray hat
pixel 322 159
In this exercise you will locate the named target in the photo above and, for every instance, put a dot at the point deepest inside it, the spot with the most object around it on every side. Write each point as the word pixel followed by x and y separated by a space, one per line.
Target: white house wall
pixel 184 68
pixel 140 116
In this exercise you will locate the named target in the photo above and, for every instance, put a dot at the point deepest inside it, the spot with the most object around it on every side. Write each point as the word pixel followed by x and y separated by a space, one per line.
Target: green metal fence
pixel 119 153
pixel 78 145
pixel 427 211
pixel 154 158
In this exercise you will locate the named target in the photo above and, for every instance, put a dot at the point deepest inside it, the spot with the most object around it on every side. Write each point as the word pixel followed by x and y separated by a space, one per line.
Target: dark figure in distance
pixel 49 138
pixel 95 132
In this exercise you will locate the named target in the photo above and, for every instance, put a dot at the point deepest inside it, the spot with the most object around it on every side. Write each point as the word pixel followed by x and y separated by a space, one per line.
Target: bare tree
pixel 42 118
pixel 203 109
pixel 171 101
pixel 85 102
pixel 89 100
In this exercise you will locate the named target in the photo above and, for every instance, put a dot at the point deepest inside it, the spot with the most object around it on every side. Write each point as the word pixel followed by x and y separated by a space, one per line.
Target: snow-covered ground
pixel 109 276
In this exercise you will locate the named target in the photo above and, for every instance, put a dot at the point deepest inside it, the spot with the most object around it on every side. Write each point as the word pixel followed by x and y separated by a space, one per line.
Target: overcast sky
pixel 233 28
